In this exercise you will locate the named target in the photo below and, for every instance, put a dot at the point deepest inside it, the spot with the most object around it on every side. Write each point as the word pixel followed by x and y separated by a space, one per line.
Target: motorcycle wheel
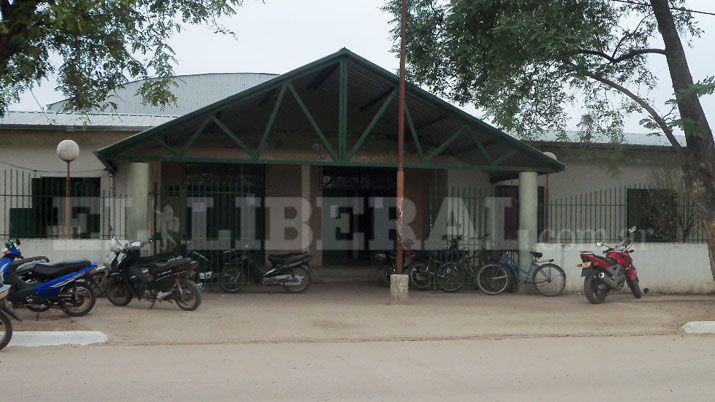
pixel 189 298
pixel 451 277
pixel 232 280
pixel 118 293
pixel 550 280
pixel 635 288
pixel 100 283
pixel 419 273
pixel 493 279
pixel 83 300
pixel 304 284
pixel 5 330
pixel 595 290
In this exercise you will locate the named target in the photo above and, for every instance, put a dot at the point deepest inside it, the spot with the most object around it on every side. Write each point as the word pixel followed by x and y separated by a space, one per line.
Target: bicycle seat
pixel 536 254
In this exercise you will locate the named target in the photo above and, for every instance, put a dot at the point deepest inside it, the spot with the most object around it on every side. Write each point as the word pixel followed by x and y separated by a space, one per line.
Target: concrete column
pixel 528 216
pixel 138 185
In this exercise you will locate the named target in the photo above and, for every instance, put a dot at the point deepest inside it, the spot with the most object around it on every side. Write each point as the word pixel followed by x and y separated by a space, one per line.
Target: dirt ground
pixel 361 312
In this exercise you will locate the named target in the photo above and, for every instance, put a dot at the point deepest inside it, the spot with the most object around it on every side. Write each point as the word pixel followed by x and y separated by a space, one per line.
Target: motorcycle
pixel 5 314
pixel 64 284
pixel 291 271
pixel 165 277
pixel 612 271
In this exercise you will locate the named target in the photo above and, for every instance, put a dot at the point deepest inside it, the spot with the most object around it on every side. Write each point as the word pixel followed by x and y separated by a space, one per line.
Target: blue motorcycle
pixel 65 285
pixel 5 314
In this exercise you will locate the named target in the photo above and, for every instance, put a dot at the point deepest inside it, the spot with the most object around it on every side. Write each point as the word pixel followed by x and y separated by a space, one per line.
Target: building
pixel 325 131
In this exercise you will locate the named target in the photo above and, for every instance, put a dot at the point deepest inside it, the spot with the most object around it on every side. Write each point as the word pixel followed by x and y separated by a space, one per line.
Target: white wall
pixel 58 250
pixel 662 267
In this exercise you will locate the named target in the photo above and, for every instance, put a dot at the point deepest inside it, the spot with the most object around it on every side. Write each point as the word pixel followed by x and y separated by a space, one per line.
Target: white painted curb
pixel 32 339
pixel 699 327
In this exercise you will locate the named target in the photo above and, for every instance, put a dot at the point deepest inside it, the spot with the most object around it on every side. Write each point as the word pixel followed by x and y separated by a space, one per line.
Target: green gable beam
pixel 195 136
pixel 343 109
pixel 233 136
pixel 312 121
pixel 479 145
pixel 167 147
pixel 445 144
pixel 313 162
pixel 372 124
pixel 504 158
pixel 415 137
pixel 271 120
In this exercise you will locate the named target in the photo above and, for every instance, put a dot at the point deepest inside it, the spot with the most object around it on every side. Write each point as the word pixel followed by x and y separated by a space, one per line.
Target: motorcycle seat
pixel 175 264
pixel 61 268
pixel 279 259
pixel 536 254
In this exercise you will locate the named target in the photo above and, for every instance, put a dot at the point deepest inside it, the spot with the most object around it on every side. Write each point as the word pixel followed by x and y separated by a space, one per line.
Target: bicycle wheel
pixel 493 279
pixel 549 280
pixel 450 277
pixel 419 272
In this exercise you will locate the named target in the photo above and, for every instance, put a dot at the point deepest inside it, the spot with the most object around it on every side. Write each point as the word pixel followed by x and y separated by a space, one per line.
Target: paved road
pixel 631 368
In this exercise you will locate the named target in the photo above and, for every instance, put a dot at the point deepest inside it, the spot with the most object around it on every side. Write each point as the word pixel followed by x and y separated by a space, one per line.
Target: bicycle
pixel 548 278
pixel 447 271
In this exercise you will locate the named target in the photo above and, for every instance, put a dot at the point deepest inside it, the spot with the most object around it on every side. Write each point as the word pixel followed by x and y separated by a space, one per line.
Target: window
pixel 42 212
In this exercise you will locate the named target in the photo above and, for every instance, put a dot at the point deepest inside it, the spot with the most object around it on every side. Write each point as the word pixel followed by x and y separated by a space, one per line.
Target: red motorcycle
pixel 612 271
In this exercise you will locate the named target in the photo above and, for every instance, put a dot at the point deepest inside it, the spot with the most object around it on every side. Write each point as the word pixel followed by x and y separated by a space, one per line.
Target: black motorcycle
pixel 291 271
pixel 155 278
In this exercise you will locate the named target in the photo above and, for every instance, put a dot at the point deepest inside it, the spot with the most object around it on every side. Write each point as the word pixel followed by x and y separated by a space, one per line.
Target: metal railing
pixel 32 205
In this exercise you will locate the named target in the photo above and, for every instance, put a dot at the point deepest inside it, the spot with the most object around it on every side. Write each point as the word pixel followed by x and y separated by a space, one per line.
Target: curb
pixel 699 327
pixel 33 339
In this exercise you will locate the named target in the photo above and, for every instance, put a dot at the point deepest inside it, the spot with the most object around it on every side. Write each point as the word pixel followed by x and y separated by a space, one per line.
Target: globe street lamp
pixel 67 150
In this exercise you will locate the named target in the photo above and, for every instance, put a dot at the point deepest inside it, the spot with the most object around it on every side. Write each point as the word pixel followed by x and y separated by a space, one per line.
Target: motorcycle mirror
pixel 17 241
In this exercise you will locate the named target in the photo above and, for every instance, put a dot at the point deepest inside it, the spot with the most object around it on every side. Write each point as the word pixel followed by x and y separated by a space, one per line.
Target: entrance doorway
pixel 347 194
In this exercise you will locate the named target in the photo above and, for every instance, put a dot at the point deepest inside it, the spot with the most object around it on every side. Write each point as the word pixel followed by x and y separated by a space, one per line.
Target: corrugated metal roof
pixel 628 139
pixel 192 92
pixel 68 121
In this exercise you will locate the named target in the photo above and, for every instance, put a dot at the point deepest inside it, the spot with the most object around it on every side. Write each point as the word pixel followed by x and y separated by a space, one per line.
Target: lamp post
pixel 68 150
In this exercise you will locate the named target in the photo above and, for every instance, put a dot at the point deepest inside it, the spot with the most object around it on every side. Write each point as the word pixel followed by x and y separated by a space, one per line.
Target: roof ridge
pixel 51 113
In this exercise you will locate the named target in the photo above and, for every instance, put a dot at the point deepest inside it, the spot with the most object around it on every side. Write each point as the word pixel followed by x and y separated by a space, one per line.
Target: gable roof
pixel 472 143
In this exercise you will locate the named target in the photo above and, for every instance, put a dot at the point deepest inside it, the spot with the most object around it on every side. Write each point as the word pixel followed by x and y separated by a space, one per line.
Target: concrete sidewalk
pixel 360 312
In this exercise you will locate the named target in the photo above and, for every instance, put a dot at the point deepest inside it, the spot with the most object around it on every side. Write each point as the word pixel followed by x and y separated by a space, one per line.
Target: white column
pixel 138 180
pixel 528 216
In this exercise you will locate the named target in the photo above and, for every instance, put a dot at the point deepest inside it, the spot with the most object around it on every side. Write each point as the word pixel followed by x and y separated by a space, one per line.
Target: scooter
pixel 162 278
pixel 291 271
pixel 612 271
pixel 63 284
pixel 5 314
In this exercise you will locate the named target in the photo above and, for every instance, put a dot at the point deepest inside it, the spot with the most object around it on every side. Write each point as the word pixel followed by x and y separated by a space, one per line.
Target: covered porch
pixel 323 132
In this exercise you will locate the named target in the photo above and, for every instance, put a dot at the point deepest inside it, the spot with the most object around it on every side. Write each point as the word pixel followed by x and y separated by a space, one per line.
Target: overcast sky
pixel 279 35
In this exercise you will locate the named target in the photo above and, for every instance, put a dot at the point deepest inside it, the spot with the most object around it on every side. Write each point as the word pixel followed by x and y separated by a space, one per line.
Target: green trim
pixel 167 147
pixel 271 120
pixel 233 136
pixel 372 124
pixel 447 143
pixel 194 136
pixel 312 162
pixel 479 145
pixel 504 157
pixel 312 121
pixel 343 110
pixel 415 137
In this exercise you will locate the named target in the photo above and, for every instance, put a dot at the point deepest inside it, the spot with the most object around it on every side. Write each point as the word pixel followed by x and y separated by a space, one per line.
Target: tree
pixel 522 62
pixel 95 46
